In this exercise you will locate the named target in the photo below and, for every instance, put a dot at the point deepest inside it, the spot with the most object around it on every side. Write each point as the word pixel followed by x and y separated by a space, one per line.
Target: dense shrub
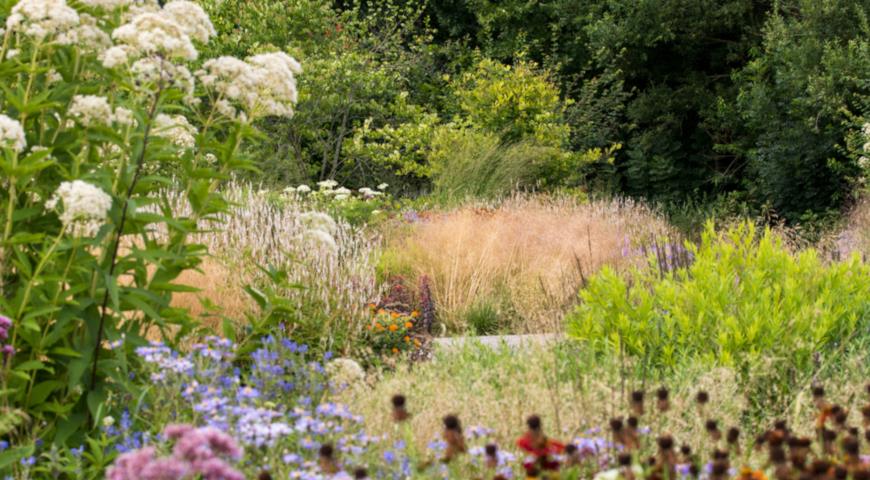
pixel 100 120
pixel 741 98
pixel 743 299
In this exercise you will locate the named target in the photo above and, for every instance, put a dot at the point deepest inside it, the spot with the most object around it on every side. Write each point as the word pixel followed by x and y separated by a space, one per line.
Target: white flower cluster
pixel 176 129
pixel 39 19
pixel 168 32
pixel 327 188
pixel 87 35
pixel 319 229
pixel 90 110
pixel 106 4
pixel 318 221
pixel 151 70
pixel 262 85
pixel 155 34
pixel 85 207
pixel 345 372
pixel 11 134
pixel 863 161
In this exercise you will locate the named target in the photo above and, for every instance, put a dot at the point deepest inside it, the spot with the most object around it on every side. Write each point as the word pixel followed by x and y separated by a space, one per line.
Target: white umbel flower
pixel 327 184
pixel 321 240
pixel 91 110
pixel 278 92
pixel 40 19
pixel 85 207
pixel 11 134
pixel 124 116
pixel 303 189
pixel 115 56
pixel 152 70
pixel 263 85
pixel 176 129
pixel 345 372
pixel 192 19
pixel 106 4
pixel 153 33
pixel 318 221
pixel 88 36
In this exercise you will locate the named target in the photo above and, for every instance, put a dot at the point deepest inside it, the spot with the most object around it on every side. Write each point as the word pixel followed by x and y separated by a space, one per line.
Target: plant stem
pixel 140 161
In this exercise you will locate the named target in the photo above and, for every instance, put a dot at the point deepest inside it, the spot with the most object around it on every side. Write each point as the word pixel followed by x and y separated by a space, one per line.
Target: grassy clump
pixel 577 390
pixel 745 298
pixel 524 258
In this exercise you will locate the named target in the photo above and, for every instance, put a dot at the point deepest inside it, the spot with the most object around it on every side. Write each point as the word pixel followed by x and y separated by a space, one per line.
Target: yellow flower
pixel 415 314
pixel 416 342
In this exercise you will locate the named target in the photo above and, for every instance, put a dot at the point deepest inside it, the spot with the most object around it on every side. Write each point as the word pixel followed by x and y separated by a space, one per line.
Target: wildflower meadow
pixel 425 239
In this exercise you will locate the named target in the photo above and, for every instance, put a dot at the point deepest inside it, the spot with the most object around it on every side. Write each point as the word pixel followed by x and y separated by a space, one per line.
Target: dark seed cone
pixel 453 437
pixel 712 428
pixel 400 413
pixel 326 461
pixel 663 403
pixel 732 437
pixel 636 403
pixel 491 456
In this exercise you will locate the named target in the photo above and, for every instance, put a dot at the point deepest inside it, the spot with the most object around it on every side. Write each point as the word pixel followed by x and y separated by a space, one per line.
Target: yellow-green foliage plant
pixel 745 297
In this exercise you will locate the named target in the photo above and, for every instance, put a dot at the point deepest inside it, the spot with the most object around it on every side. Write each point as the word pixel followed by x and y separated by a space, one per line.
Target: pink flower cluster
pixel 5 350
pixel 198 452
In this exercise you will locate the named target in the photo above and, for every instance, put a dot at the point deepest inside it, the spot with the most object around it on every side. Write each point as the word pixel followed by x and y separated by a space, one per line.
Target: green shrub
pixel 745 297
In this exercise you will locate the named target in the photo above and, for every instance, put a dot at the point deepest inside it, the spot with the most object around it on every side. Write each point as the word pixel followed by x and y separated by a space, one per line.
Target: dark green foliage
pixel 708 98
pixel 737 99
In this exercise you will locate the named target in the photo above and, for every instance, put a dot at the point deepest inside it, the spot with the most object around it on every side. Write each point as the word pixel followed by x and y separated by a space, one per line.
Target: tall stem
pixel 140 161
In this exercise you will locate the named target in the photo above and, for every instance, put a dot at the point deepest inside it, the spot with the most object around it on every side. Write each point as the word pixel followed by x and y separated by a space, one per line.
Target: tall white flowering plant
pixel 104 104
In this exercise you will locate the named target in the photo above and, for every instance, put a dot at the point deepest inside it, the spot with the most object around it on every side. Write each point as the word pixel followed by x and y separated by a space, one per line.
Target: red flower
pixel 541 450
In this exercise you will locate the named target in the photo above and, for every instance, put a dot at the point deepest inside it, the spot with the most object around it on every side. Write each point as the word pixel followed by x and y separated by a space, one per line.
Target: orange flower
pixel 407 339
pixel 415 314
pixel 408 324
pixel 395 350
pixel 394 327
pixel 379 327
pixel 394 314
pixel 381 311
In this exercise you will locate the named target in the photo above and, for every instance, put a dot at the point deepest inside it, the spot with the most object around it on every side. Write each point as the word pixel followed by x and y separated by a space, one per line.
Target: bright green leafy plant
pixel 745 297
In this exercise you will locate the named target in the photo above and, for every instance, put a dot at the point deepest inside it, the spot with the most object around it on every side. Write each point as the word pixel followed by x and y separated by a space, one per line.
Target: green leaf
pixel 42 390
pixel 30 365
pixel 14 455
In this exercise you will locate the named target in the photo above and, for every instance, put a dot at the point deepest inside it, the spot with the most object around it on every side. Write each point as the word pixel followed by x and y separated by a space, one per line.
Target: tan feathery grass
pixel 263 230
pixel 529 255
